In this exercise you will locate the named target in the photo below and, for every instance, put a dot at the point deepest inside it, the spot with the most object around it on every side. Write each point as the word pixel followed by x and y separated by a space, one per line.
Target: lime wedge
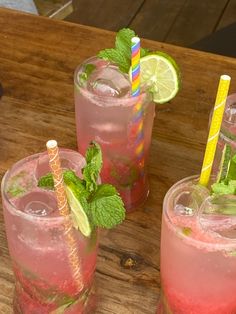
pixel 160 73
pixel 79 216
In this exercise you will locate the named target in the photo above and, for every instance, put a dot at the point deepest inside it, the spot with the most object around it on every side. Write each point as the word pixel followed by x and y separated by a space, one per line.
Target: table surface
pixel 37 60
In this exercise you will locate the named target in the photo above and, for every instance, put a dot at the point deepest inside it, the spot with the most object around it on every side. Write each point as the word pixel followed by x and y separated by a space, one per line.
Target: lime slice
pixel 79 216
pixel 224 163
pixel 161 74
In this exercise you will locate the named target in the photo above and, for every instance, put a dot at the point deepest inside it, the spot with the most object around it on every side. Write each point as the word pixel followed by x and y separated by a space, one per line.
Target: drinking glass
pixel 36 234
pixel 198 251
pixel 227 132
pixel 107 113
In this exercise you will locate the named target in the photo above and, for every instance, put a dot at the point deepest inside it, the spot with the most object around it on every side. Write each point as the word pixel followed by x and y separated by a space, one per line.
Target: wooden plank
pixel 229 15
pixel 196 20
pixel 156 17
pixel 107 14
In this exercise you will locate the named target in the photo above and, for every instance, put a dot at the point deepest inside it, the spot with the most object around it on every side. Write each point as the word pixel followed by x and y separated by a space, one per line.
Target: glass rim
pixel 14 210
pixel 229 100
pixel 169 196
pixel 104 99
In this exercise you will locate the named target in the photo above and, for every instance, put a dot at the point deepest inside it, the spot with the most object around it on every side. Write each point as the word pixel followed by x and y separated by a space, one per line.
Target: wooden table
pixel 37 60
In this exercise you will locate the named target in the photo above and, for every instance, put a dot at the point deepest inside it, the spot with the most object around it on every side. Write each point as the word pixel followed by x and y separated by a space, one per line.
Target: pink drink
pixel 198 254
pixel 105 113
pixel 37 245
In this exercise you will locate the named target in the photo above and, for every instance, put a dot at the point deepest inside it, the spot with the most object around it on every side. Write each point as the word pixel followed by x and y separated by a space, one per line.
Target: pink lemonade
pixel 36 239
pixel 198 254
pixel 105 113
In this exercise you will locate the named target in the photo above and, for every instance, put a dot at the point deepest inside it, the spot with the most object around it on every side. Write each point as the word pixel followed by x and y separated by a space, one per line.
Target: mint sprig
pixel 121 54
pixel 222 188
pixel 101 203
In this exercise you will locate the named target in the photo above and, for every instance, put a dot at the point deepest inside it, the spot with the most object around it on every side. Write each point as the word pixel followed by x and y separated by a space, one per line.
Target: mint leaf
pixel 82 79
pixel 123 42
pixel 222 188
pixel 93 166
pixel 77 185
pixel 88 69
pixel 231 175
pixel 121 54
pixel 232 183
pixel 100 203
pixel 62 308
pixel 115 56
pixel 70 176
pixel 46 182
pixel 15 191
pixel 144 52
pixel 107 207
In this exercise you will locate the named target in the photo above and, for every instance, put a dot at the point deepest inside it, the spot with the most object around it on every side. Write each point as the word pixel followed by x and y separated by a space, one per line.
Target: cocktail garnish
pixel 223 188
pixel 226 178
pixel 159 72
pixel 161 75
pixel 91 203
pixel 121 54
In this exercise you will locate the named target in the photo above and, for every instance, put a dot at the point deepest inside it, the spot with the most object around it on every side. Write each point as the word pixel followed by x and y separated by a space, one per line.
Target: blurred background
pixel 201 24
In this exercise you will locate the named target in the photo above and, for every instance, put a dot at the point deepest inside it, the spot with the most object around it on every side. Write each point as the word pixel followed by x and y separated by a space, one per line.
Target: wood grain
pixel 228 16
pixel 196 20
pixel 37 60
pixel 108 14
pixel 155 18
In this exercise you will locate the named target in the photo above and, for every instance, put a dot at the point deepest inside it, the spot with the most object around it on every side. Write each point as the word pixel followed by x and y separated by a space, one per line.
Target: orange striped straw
pixel 138 108
pixel 64 210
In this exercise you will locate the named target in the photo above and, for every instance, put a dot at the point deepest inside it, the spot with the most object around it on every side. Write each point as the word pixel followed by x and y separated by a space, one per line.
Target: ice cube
pixel 189 200
pixel 218 214
pixel 109 81
pixel 37 203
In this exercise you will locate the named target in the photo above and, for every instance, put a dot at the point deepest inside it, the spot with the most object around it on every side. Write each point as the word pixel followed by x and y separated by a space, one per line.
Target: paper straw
pixel 135 63
pixel 138 108
pixel 64 210
pixel 215 126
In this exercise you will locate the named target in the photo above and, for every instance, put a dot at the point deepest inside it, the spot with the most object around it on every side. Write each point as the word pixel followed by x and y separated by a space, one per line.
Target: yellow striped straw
pixel 214 132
